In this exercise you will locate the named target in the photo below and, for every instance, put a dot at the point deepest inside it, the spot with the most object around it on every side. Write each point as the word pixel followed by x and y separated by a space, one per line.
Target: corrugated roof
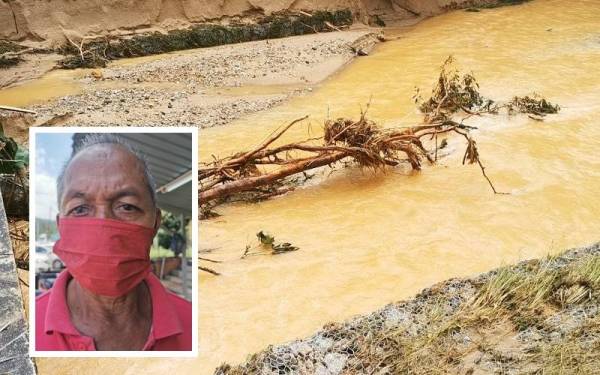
pixel 169 155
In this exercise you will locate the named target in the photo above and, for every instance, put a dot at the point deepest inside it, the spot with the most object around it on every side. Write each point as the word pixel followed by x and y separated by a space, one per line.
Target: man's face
pixel 105 181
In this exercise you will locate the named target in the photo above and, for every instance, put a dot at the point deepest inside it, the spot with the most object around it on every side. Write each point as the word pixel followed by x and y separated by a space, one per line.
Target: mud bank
pixel 540 316
pixel 49 21
pixel 203 87
pixel 90 34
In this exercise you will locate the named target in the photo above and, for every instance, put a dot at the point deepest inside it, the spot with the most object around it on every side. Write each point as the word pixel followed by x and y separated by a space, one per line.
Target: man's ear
pixel 158 219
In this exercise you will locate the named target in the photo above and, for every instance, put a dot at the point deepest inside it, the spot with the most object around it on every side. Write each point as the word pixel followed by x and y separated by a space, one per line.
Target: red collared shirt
pixel 171 320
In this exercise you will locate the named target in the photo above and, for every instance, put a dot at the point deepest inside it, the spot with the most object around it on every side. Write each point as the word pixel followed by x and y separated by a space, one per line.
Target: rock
pixel 97 74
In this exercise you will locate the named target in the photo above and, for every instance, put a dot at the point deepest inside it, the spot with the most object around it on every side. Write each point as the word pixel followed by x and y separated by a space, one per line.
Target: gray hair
pixel 85 141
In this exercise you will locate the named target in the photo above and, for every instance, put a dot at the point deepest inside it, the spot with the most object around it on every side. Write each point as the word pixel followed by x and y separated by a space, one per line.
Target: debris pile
pixel 266 170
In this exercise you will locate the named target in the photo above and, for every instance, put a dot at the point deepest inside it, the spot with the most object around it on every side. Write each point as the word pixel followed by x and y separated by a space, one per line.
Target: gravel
pixel 182 89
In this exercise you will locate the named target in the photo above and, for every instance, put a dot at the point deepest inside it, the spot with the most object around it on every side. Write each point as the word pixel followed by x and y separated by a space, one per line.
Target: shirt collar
pixel 58 317
pixel 165 320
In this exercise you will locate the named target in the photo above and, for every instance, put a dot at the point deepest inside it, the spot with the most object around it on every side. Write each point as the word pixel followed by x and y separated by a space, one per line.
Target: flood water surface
pixel 369 240
pixel 366 240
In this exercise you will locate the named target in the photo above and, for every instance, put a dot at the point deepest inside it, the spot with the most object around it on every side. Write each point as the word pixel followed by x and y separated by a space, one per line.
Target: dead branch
pixel 313 28
pixel 304 13
pixel 79 47
pixel 23 282
pixel 267 242
pixel 16 109
pixel 331 26
pixel 362 141
pixel 205 269
pixel 236 186
pixel 265 170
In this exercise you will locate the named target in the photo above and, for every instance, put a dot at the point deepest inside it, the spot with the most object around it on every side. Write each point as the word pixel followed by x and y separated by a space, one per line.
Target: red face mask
pixel 107 257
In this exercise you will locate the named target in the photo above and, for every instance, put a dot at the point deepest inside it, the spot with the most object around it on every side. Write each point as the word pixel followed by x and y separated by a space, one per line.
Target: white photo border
pixel 33 132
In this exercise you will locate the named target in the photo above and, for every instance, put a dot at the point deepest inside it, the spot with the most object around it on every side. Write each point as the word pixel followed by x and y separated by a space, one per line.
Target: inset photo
pixel 114 226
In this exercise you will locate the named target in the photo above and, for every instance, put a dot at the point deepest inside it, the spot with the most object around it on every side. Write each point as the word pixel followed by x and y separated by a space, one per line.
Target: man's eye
pixel 79 211
pixel 129 208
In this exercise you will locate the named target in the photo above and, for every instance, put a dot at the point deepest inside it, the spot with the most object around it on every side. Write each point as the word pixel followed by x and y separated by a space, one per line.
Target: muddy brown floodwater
pixel 366 241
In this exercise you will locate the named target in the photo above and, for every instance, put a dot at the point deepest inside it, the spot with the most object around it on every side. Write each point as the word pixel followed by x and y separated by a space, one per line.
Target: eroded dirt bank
pixel 49 21
pixel 91 33
pixel 197 87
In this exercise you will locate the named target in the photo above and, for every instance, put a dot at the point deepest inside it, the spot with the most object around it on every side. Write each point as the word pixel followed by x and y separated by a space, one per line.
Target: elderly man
pixel 107 298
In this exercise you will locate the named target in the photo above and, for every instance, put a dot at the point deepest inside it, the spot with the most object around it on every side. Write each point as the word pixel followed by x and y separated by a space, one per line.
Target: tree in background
pixel 169 234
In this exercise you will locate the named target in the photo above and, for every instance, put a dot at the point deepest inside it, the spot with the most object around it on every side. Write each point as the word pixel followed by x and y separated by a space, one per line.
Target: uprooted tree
pixel 264 170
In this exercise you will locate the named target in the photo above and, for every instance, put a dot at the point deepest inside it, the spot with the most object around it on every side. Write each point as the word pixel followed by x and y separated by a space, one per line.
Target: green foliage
pixel 47 227
pixel 453 92
pixel 476 7
pixel 535 105
pixel 13 158
pixel 265 239
pixel 267 242
pixel 170 224
pixel 8 61
pixel 456 92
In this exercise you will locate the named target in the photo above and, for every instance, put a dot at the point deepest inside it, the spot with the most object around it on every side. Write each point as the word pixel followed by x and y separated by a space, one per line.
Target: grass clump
pixel 7 56
pixel 538 317
pixel 502 3
pixel 476 6
pixel 522 298
pixel 6 46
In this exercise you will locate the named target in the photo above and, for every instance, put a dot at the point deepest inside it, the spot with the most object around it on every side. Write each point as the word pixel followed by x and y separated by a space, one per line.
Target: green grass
pixel 157 252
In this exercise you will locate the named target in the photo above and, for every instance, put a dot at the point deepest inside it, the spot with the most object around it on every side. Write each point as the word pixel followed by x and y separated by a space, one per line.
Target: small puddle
pixel 52 85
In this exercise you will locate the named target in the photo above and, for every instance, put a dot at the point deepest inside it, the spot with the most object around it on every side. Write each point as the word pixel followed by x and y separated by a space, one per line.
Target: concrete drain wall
pixel 14 337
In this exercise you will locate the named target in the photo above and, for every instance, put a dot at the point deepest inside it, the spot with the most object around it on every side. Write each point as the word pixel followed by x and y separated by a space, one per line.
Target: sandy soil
pixel 205 87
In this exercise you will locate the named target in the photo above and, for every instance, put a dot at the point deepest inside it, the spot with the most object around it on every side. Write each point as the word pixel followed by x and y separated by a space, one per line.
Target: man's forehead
pixel 105 155
pixel 106 160
pixel 105 171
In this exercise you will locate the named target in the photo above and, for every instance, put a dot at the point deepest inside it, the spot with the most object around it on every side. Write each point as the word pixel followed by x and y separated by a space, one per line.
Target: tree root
pixel 266 168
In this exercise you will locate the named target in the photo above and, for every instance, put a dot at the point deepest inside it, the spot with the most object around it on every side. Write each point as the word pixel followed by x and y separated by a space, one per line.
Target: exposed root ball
pixel 264 169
